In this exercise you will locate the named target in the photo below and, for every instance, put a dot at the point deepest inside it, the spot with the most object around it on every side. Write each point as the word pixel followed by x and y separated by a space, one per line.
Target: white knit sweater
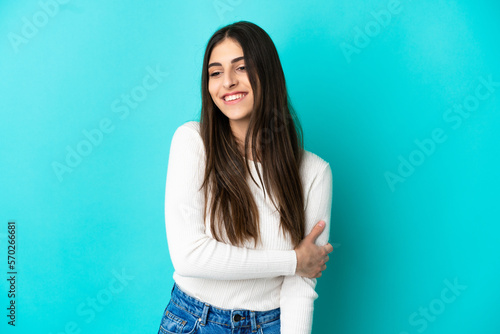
pixel 231 277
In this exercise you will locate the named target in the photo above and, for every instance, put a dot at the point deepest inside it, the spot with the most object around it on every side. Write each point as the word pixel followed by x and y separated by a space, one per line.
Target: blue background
pixel 366 92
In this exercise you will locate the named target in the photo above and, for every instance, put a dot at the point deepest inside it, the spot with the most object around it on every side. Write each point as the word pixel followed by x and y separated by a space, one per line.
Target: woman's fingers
pixel 312 258
pixel 316 231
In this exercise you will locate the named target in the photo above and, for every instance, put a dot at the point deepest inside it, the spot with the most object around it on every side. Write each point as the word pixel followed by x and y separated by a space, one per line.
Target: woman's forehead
pixel 226 51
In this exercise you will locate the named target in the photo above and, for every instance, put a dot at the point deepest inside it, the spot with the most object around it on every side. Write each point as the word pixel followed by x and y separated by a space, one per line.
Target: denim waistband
pixel 231 318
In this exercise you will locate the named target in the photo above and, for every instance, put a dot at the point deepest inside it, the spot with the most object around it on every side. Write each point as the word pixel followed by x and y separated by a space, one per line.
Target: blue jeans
pixel 186 314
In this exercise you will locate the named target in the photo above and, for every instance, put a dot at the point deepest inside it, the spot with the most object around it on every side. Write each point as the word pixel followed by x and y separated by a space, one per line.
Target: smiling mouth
pixel 234 97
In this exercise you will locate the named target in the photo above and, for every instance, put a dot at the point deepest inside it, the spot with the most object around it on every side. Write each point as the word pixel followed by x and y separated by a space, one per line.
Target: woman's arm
pixel 192 251
pixel 298 293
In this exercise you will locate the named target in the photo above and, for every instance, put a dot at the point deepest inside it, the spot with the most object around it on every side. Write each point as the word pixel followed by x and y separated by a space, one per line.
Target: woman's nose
pixel 229 80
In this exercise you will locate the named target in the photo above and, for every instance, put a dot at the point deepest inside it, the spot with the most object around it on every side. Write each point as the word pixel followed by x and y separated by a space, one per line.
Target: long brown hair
pixel 273 128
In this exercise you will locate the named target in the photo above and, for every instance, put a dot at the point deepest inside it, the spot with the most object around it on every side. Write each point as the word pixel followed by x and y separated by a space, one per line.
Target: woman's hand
pixel 311 258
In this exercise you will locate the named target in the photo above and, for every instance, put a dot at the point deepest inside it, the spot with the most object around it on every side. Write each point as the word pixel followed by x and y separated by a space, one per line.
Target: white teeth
pixel 233 97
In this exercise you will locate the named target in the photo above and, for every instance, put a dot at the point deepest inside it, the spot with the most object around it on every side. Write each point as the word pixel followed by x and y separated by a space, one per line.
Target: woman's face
pixel 228 82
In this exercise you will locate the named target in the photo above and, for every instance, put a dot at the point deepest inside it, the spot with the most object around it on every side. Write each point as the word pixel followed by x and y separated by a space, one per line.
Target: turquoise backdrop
pixel 400 97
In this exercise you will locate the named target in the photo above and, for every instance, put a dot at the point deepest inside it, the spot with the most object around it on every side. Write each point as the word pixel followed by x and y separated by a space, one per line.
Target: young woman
pixel 242 263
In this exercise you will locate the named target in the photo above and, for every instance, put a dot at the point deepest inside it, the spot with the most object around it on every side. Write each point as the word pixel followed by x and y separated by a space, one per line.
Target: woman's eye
pixel 242 68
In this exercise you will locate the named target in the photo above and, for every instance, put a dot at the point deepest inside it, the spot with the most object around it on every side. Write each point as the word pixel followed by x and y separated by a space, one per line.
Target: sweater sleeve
pixel 193 252
pixel 298 293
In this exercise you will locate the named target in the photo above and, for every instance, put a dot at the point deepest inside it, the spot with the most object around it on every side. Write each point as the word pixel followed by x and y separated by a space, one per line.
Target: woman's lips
pixel 235 101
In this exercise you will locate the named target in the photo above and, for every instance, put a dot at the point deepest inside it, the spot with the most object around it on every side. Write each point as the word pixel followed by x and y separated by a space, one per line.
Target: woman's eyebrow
pixel 232 62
